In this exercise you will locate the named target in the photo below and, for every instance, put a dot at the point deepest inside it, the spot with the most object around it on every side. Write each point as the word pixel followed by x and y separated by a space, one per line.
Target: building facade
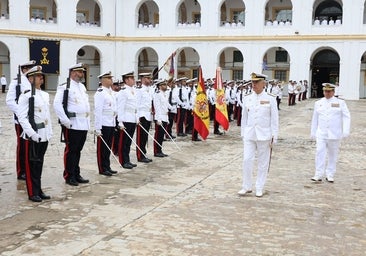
pixel 316 40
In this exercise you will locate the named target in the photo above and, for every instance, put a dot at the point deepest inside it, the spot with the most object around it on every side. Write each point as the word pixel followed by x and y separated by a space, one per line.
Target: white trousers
pixel 263 153
pixel 324 146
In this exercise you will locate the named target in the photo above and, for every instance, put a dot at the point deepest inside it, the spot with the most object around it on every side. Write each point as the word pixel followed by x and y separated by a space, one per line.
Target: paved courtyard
pixel 187 203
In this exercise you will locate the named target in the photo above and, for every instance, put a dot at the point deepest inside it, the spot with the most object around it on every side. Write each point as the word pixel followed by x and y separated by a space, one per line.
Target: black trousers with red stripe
pixel 103 152
pixel 159 137
pixel 20 154
pixel 74 141
pixel 172 117
pixel 181 117
pixel 142 137
pixel 124 146
pixel 34 156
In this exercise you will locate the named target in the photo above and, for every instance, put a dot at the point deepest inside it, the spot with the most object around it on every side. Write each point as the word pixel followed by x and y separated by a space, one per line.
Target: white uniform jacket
pixel 11 95
pixel 127 105
pixel 42 115
pixel 105 108
pixel 331 119
pixel 77 105
pixel 161 106
pixel 259 117
pixel 144 102
pixel 173 103
pixel 182 97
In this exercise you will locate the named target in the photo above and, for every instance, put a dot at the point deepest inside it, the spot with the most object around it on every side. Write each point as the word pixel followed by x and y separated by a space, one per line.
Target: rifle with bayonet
pixel 33 149
pixel 65 101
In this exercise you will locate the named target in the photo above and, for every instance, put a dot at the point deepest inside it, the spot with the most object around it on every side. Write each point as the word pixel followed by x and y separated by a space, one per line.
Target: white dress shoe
pixel 330 179
pixel 259 193
pixel 244 192
pixel 316 178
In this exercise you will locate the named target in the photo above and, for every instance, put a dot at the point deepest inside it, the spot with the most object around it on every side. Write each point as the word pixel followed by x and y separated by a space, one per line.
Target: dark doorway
pixel 325 69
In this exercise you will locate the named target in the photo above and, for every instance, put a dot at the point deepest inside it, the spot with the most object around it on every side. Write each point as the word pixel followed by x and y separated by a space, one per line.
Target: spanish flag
pixel 200 110
pixel 221 115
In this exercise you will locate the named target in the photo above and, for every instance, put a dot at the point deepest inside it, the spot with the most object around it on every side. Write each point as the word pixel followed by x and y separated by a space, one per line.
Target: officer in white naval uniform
pixel 144 95
pixel 37 132
pixel 12 102
pixel 127 119
pixel 161 106
pixel 259 129
pixel 330 123
pixel 105 112
pixel 75 123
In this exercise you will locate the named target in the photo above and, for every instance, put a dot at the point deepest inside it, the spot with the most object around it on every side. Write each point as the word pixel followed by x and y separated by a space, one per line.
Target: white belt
pixel 131 111
pixel 108 113
pixel 86 114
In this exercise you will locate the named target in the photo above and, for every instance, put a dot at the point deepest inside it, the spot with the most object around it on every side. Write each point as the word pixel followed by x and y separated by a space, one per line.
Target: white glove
pixel 274 141
pixel 67 125
pixel 98 133
pixel 121 126
pixel 36 138
pixel 158 122
pixel 345 135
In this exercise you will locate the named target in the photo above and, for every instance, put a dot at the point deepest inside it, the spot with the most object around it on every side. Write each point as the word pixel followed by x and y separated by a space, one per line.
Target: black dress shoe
pixel 198 139
pixel 81 179
pixel 72 182
pixel 44 196
pixel 133 165
pixel 113 172
pixel 181 134
pixel 35 199
pixel 160 155
pixel 164 154
pixel 21 176
pixel 144 160
pixel 127 166
pixel 150 160
pixel 218 133
pixel 106 173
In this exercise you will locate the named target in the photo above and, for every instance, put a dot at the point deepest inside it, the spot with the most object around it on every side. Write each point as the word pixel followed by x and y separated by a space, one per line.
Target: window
pixel 237 74
pixel 280 75
pixel 237 56
pixel 40 12
pixel 281 56
pixel 82 16
pixel 237 15
pixel 196 17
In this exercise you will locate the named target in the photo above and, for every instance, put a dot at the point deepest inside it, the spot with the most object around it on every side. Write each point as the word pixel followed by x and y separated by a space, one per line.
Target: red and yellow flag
pixel 200 110
pixel 221 115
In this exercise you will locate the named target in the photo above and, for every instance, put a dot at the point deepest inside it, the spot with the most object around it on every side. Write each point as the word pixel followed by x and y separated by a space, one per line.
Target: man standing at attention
pixel 259 129
pixel 330 123
pixel 105 111
pixel 127 119
pixel 74 116
pixel 144 95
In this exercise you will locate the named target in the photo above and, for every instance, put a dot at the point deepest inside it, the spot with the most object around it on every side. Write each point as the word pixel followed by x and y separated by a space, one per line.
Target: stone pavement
pixel 186 204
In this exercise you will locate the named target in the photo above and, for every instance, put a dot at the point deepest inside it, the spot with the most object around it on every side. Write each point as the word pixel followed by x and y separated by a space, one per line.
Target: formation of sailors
pixel 124 113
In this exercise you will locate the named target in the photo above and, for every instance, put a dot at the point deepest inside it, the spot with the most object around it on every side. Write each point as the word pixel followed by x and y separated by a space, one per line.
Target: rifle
pixel 33 150
pixel 18 90
pixel 65 100
pixel 18 86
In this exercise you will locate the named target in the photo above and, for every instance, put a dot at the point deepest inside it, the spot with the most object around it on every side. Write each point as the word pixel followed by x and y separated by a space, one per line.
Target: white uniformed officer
pixel 172 99
pixel 330 123
pixel 144 96
pixel 37 131
pixel 105 112
pixel 182 105
pixel 259 129
pixel 75 123
pixel 127 119
pixel 12 102
pixel 161 106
